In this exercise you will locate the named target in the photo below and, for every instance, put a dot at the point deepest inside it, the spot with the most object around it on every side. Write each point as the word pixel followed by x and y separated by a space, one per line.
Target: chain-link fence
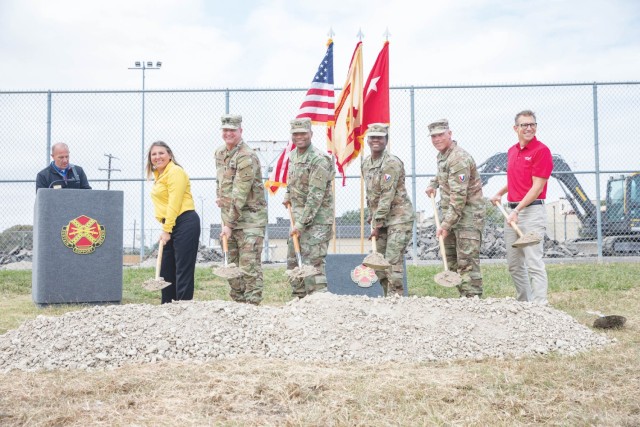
pixel 585 125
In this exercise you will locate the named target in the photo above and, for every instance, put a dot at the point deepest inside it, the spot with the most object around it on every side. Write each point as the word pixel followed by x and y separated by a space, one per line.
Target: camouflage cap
pixel 231 121
pixel 301 125
pixel 378 129
pixel 439 126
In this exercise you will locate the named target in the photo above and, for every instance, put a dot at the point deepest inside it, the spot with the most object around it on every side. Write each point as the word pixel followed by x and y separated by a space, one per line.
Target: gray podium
pixel 77 247
pixel 340 271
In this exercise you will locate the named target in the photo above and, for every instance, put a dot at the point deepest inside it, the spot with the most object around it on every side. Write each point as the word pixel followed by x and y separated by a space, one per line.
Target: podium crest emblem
pixel 83 234
pixel 363 276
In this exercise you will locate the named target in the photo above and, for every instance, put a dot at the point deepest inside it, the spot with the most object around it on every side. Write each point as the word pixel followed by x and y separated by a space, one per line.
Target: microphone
pixel 65 181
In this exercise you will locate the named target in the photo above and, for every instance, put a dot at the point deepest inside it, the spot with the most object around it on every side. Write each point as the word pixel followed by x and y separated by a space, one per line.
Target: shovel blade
pixel 376 261
pixel 228 271
pixel 302 272
pixel 155 285
pixel 448 279
pixel 529 239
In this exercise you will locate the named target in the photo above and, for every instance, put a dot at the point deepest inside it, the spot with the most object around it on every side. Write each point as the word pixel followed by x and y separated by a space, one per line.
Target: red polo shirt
pixel 523 164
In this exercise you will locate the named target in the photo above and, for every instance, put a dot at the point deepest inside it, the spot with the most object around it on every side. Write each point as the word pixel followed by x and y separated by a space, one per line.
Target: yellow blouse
pixel 171 195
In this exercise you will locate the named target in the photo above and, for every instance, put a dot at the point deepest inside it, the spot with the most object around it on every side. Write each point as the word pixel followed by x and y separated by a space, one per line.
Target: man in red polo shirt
pixel 529 167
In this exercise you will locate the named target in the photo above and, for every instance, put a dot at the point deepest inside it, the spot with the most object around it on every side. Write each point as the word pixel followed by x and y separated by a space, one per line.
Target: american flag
pixel 318 105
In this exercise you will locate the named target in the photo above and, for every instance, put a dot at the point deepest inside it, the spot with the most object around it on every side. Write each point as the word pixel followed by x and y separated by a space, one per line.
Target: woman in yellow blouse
pixel 175 210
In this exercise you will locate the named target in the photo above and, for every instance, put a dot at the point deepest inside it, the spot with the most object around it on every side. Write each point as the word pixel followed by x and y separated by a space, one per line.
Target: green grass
pixel 598 387
pixel 573 288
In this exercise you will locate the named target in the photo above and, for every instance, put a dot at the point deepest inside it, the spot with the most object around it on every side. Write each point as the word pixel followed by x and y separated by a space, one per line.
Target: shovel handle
pixel 159 259
pixel 440 238
pixel 296 242
pixel 512 223
pixel 225 243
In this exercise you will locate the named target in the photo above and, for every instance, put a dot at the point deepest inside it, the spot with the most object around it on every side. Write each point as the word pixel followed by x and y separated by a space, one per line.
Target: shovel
pixel 375 260
pixel 530 239
pixel 301 270
pixel 227 271
pixel 446 278
pixel 158 282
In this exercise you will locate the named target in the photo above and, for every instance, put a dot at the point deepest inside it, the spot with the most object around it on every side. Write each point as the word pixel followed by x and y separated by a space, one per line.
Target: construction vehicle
pixel 620 216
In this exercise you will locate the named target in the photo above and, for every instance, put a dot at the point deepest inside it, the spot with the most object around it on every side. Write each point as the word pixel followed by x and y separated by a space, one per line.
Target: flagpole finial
pixel 386 34
pixel 331 33
pixel 360 34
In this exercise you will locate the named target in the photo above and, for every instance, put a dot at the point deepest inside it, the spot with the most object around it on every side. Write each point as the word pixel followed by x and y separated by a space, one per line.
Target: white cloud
pixel 73 44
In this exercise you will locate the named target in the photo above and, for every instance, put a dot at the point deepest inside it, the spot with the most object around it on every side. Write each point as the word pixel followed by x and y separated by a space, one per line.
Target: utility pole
pixel 109 169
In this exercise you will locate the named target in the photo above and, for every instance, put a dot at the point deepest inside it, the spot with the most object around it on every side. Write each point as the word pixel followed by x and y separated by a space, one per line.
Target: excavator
pixel 620 216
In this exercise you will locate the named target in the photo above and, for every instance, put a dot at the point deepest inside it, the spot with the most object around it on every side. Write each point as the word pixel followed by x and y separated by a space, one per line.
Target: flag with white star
pixel 376 91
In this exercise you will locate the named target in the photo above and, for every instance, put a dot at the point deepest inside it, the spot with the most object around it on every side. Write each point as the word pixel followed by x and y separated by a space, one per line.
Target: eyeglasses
pixel 527 125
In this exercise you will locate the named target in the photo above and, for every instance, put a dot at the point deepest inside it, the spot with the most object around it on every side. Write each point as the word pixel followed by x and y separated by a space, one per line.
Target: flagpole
pixel 386 35
pixel 361 206
pixel 333 189
pixel 331 33
pixel 375 107
pixel 360 36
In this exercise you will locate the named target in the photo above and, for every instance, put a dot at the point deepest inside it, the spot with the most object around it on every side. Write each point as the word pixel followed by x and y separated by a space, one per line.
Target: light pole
pixel 143 66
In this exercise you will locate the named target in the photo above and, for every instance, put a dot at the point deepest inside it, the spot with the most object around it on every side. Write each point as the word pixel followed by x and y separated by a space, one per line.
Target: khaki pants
pixel 525 264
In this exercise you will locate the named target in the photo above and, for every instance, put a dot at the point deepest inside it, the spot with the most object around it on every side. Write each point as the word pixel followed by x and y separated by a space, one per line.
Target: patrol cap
pixel 378 129
pixel 302 124
pixel 231 121
pixel 438 127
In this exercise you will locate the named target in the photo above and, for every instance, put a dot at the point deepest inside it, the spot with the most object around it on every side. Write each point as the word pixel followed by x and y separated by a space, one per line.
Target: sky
pixel 82 45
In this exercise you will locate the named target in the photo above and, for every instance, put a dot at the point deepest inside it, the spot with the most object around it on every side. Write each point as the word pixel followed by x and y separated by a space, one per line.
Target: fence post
pixel 597 159
pixel 48 159
pixel 413 175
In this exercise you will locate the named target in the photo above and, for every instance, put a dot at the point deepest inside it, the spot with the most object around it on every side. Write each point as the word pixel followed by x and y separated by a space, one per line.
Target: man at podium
pixel 60 173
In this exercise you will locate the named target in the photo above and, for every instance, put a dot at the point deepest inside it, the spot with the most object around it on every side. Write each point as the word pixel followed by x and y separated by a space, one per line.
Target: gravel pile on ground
pixel 322 327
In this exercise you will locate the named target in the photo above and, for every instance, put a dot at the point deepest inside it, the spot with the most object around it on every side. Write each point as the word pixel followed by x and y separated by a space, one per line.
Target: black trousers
pixel 179 258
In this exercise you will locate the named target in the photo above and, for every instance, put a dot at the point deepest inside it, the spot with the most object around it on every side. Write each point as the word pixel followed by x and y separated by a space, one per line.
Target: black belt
pixel 513 205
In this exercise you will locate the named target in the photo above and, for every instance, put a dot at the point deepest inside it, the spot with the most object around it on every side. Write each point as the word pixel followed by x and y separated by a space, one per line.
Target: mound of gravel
pixel 322 327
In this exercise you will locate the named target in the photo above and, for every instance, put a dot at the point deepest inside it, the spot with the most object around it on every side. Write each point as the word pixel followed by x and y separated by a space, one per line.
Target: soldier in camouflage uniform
pixel 463 208
pixel 391 212
pixel 309 192
pixel 240 196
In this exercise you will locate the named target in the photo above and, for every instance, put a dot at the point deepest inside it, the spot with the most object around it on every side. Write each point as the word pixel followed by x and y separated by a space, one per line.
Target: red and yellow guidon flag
pixel 83 234
pixel 345 143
